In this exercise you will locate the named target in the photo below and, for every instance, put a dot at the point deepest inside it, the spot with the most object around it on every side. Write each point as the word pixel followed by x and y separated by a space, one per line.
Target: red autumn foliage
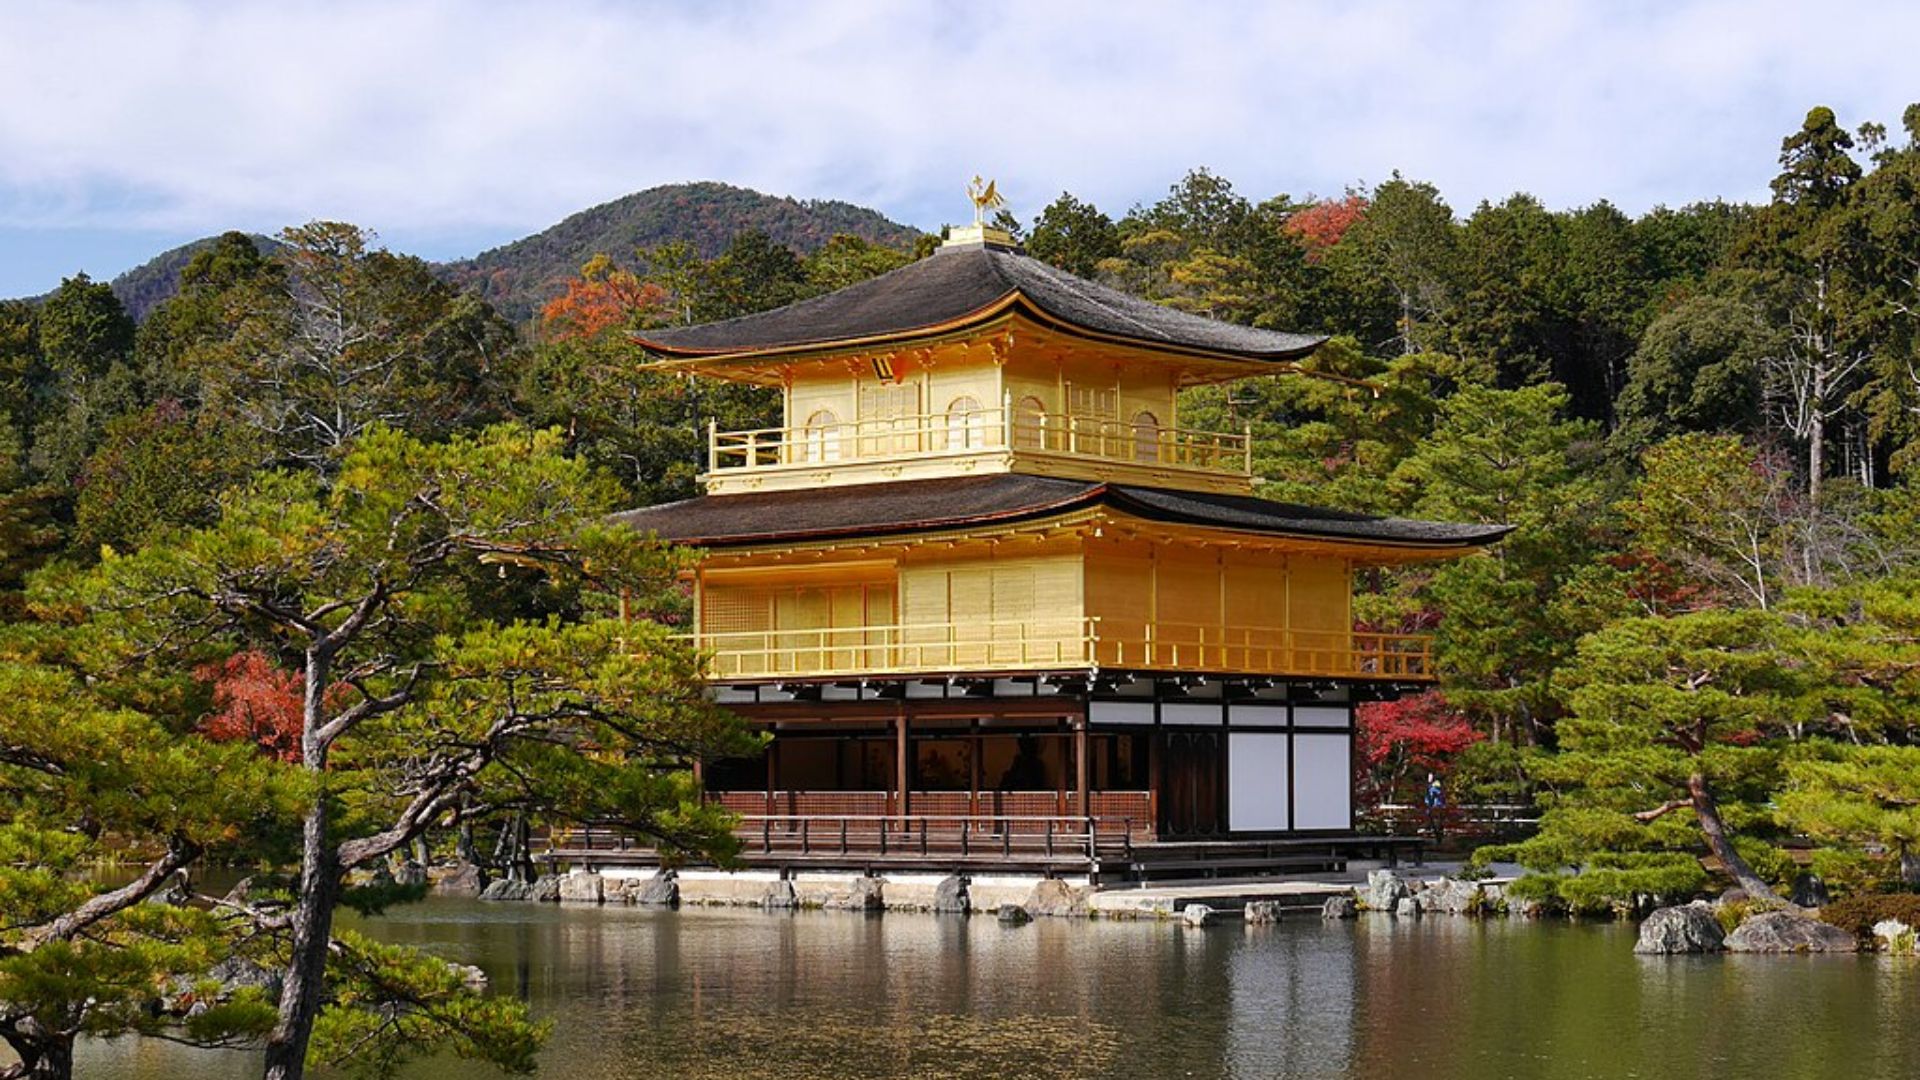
pixel 255 701
pixel 1401 741
pixel 1321 225
pixel 600 299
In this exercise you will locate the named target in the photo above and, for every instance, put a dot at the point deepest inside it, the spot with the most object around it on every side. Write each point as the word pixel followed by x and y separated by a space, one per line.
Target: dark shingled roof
pixel 910 506
pixel 956 282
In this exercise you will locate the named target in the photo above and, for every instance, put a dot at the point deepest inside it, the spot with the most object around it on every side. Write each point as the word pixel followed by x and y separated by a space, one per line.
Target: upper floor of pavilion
pixel 978 359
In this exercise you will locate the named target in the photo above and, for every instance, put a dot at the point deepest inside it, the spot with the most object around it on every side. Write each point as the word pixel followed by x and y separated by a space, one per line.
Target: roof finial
pixel 984 198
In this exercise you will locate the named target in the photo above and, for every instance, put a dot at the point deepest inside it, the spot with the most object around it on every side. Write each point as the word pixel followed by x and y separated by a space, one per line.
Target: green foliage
pixel 393 1005
pixel 1073 235
pixel 155 470
pixel 1697 368
pixel 82 780
pixel 1670 746
pixel 347 337
pixel 453 599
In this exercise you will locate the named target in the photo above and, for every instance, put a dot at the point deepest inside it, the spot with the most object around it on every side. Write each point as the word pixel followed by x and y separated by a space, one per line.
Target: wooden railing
pixel 801 837
pixel 1116 812
pixel 930 434
pixel 1064 644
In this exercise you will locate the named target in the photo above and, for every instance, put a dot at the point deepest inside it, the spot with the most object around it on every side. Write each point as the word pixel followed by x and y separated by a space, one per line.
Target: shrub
pixel 1859 913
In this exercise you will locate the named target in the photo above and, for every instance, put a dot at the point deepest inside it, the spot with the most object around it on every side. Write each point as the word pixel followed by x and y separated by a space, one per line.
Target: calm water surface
pixel 744 994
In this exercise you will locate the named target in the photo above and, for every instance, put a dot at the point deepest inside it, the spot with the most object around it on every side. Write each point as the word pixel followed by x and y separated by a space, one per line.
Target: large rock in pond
pixel 1053 897
pixel 863 894
pixel 1198 915
pixel 1407 908
pixel 1450 897
pixel 411 875
pixel 508 889
pixel 660 890
pixel 1262 912
pixel 780 896
pixel 1340 907
pixel 1687 929
pixel 582 887
pixel 1789 932
pixel 1384 891
pixel 952 897
pixel 546 889
pixel 1014 915
pixel 465 879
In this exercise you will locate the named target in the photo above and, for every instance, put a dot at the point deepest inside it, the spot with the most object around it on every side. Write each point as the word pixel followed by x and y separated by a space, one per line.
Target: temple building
pixel 995 604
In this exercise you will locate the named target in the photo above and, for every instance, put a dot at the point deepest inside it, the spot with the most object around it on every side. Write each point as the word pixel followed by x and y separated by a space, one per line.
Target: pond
pixel 745 994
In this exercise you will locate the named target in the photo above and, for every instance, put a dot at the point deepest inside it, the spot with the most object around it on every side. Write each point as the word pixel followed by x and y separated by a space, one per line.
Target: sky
pixel 450 127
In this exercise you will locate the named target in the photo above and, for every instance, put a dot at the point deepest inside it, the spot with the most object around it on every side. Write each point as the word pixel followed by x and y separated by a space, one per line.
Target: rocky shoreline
pixel 1733 924
pixel 1012 900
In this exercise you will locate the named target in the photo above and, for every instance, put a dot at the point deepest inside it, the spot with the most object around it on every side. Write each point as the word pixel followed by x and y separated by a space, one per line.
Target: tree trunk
pixel 301 995
pixel 319 890
pixel 1718 842
pixel 1816 455
pixel 1909 867
pixel 43 1055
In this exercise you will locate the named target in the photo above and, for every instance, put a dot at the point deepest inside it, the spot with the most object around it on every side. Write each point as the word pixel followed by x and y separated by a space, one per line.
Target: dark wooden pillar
pixel 1080 765
pixel 773 772
pixel 900 761
pixel 975 748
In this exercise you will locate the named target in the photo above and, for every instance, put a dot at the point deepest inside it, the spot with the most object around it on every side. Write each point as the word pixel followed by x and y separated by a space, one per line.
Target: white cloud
pixel 435 116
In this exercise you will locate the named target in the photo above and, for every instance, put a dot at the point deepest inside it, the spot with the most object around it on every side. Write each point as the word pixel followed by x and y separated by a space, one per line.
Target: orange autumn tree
pixel 1321 225
pixel 601 298
pixel 255 700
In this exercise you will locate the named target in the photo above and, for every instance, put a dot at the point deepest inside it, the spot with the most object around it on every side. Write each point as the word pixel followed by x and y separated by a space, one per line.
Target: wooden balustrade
pixel 1065 644
pixel 1101 438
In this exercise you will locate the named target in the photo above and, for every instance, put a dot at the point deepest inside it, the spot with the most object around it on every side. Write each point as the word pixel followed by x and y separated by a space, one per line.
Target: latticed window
pixel 1146 437
pixel 1030 424
pixel 820 439
pixel 966 424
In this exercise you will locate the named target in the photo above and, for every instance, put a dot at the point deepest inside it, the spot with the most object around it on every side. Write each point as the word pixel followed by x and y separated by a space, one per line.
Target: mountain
pixel 146 286
pixel 519 277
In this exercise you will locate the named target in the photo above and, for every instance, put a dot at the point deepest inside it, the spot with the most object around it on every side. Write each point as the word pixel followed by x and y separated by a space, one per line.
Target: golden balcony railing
pixel 1061 645
pixel 962 432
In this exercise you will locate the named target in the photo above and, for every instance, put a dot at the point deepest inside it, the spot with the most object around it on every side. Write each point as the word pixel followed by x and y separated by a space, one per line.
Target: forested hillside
pixel 519 277
pixel 154 282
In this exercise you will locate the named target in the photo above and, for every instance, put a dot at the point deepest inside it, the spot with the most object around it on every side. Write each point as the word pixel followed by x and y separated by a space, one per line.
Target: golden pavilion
pixel 996 606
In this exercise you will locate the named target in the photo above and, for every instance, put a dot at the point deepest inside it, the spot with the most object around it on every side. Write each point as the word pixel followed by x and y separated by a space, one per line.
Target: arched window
pixel 966 424
pixel 1146 438
pixel 820 439
pixel 1030 424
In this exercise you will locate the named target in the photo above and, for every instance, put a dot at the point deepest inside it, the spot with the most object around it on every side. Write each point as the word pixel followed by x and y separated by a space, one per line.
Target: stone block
pixel 582 887
pixel 1690 928
pixel 1787 932
pixel 952 897
pixel 1263 912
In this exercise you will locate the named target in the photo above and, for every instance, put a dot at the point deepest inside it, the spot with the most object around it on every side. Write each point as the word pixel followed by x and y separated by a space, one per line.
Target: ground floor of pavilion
pixel 1046 773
